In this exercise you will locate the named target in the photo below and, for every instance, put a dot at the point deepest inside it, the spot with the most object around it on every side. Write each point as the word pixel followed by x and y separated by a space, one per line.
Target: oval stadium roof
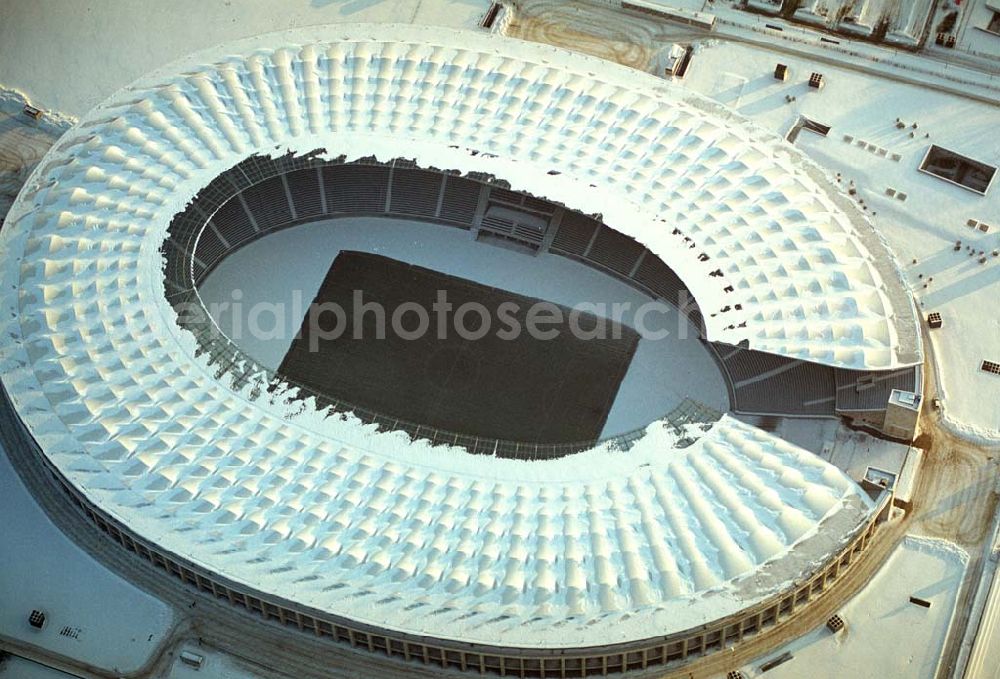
pixel 329 513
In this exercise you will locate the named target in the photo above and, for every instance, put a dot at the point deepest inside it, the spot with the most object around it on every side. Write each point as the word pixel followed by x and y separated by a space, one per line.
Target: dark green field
pixel 523 389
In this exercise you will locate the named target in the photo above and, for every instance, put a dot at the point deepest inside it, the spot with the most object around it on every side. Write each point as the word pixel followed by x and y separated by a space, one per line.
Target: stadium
pixel 668 526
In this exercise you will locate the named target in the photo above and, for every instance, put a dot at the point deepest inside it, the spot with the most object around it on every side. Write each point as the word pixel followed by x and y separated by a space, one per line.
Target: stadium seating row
pixel 231 212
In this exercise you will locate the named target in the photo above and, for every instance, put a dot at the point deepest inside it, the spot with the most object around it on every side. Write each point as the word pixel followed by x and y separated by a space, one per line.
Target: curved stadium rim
pixel 657 651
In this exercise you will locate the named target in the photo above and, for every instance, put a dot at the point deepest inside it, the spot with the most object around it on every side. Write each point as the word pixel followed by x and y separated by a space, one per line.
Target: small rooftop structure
pixel 194 660
pixel 880 477
pixel 491 16
pixel 676 57
pixel 958 169
pixel 905 398
pixel 902 414
pixel 945 40
pixel 36 619
pixel 32 112
pixel 835 623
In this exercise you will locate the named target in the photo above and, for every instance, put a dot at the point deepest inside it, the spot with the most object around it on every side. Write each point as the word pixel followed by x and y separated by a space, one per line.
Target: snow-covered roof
pixel 809 277
pixel 599 547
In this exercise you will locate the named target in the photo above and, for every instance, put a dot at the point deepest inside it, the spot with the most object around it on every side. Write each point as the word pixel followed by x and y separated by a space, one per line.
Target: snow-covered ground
pixel 923 218
pixel 855 451
pixel 69 56
pixel 23 142
pixel 985 658
pixel 886 635
pixel 92 615
pixel 15 667
pixel 662 373
pixel 685 5
pixel 214 665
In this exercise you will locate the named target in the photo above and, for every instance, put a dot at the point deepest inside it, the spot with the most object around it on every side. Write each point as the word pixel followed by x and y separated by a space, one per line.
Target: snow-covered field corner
pixel 886 635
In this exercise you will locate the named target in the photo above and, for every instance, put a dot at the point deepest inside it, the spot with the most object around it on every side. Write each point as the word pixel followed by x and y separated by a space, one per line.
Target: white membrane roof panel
pixel 598 548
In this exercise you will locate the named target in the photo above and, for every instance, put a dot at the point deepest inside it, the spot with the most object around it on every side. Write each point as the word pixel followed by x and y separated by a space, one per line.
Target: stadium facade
pixel 683 541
